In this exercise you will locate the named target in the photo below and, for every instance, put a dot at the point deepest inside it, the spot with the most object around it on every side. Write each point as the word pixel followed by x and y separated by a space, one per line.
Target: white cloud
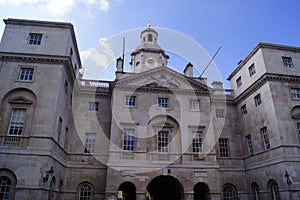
pixel 97 60
pixel 60 7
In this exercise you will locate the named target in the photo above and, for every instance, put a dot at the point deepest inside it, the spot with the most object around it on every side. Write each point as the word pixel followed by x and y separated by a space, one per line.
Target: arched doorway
pixel 201 192
pixel 128 189
pixel 165 187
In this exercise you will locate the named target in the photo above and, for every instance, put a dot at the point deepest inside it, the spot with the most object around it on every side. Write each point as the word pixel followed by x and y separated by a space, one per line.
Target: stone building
pixel 152 132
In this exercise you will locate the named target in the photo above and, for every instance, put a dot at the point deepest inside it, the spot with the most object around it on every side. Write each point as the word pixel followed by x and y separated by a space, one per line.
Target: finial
pixel 149 25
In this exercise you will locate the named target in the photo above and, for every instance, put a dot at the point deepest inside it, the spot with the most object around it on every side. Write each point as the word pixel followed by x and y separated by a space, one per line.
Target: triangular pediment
pixel 20 100
pixel 161 77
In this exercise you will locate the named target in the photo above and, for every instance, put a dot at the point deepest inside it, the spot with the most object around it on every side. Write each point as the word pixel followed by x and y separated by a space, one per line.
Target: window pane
pixel 295 94
pixel 128 139
pixel 130 101
pixel 17 120
pixel 197 142
pixel 94 106
pixel 257 100
pixel 163 102
pixel 90 143
pixel 85 193
pixel 224 147
pixel 287 62
pixel 26 74
pixel 35 38
pixel 163 141
pixel 265 138
pixel 244 109
pixel 195 104
pixel 252 70
pixel 249 145
pixel 229 193
pixel 5 185
pixel 220 113
pixel 239 82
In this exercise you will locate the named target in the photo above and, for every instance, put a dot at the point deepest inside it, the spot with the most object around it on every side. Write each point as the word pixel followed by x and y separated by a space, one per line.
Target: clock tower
pixel 148 54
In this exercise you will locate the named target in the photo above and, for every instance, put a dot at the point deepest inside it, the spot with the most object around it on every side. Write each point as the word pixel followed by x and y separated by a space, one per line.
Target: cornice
pixel 38 58
pixel 260 46
pixel 262 80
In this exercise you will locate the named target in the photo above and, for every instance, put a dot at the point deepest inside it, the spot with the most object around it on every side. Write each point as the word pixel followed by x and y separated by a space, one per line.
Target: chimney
pixel 217 85
pixel 188 71
pixel 119 65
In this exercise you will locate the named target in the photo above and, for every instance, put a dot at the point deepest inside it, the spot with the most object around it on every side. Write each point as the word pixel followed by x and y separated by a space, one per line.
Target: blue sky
pixel 238 26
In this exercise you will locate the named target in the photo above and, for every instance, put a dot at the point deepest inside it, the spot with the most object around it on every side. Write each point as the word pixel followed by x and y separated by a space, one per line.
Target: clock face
pixel 151 62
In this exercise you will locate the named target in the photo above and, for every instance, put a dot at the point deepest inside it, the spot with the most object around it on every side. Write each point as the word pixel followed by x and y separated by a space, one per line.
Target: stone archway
pixel 129 190
pixel 201 192
pixel 165 187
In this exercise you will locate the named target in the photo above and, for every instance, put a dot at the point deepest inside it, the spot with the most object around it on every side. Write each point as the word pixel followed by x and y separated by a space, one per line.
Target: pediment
pixel 161 78
pixel 20 100
pixel 295 112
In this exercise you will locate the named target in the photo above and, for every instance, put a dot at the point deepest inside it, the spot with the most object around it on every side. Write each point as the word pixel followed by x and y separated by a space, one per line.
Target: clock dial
pixel 151 62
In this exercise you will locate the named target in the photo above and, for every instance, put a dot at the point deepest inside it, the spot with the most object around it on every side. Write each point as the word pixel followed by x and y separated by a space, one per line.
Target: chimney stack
pixel 188 71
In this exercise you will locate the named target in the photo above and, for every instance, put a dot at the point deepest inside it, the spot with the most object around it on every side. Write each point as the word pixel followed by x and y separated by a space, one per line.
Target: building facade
pixel 152 133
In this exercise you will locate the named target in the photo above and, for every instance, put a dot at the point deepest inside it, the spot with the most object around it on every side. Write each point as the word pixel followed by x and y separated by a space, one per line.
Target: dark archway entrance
pixel 165 187
pixel 129 190
pixel 201 192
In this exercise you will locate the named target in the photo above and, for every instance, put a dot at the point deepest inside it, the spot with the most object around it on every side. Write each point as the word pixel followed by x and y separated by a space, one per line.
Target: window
pixel 85 192
pixel 150 38
pixel 224 147
pixel 257 100
pixel 249 145
pixel 295 94
pixel 130 101
pixel 26 74
pixel 244 109
pixel 198 142
pixel 229 192
pixel 298 128
pixel 239 82
pixel 66 87
pixel 195 104
pixel 275 191
pixel 255 189
pixel 94 106
pixel 59 129
pixel 163 102
pixel 17 121
pixel 163 141
pixel 128 140
pixel 287 62
pixel 90 143
pixel 35 38
pixel 265 138
pixel 5 185
pixel 252 70
pixel 220 113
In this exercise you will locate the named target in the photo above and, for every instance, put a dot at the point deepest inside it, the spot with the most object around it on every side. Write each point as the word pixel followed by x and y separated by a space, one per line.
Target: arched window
pixel 255 189
pixel 85 192
pixel 5 185
pixel 8 183
pixel 274 190
pixel 52 188
pixel 229 192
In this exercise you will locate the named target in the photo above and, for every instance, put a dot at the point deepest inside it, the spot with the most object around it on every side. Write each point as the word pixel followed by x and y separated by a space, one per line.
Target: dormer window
pixel 150 38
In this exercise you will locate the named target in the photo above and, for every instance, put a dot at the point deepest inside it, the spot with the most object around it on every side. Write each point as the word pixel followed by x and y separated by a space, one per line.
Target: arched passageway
pixel 165 187
pixel 128 190
pixel 201 192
